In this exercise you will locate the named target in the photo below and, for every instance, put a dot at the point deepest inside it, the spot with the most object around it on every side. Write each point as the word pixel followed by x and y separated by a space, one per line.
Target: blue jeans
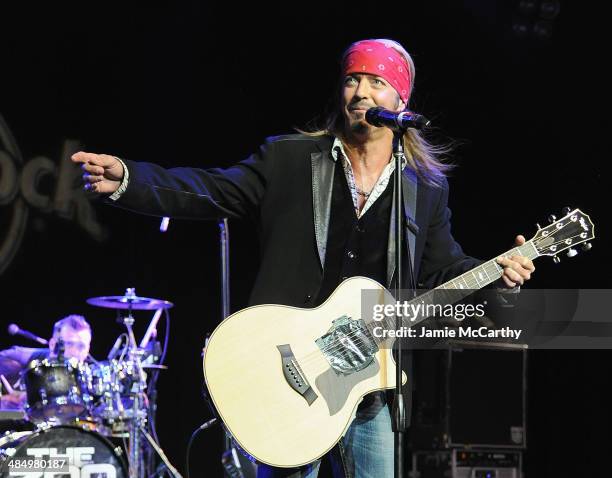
pixel 366 451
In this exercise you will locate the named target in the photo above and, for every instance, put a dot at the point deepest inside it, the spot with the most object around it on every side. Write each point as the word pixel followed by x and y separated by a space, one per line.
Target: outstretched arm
pixel 179 192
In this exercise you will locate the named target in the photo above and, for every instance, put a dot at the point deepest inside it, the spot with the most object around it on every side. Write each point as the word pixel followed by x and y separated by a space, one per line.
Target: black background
pixel 167 84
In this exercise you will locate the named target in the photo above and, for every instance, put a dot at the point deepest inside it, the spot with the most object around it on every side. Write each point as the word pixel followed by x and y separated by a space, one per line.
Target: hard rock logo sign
pixel 21 192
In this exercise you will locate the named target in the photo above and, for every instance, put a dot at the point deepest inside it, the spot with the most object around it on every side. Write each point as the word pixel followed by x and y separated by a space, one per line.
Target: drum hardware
pixel 104 399
pixel 124 404
pixel 11 436
pixel 160 453
pixel 93 424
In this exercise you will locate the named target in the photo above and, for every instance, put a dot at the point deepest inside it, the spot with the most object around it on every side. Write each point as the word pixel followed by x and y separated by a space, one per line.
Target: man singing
pixel 323 205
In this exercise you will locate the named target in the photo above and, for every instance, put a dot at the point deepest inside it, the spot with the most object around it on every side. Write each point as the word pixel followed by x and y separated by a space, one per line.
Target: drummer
pixel 75 333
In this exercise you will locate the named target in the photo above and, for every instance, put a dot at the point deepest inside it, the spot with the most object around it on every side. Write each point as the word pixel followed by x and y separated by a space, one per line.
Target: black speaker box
pixel 470 395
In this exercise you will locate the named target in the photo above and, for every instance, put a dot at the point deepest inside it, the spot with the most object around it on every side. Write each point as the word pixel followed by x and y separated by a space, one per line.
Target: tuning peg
pixel 572 252
pixel 552 218
pixel 556 259
pixel 538 226
pixel 566 210
pixel 587 246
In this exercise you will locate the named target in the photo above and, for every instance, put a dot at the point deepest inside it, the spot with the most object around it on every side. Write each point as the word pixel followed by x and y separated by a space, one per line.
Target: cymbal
pixel 129 301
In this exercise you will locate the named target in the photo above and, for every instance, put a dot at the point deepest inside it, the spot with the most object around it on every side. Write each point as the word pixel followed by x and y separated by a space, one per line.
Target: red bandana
pixel 376 58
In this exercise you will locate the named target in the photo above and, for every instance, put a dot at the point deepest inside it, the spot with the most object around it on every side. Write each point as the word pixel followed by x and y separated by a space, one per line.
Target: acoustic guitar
pixel 287 381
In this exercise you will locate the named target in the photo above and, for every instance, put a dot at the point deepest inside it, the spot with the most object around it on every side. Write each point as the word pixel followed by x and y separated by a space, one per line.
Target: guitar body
pixel 269 418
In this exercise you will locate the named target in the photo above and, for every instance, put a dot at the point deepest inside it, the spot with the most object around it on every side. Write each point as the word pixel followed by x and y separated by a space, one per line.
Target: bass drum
pixel 88 454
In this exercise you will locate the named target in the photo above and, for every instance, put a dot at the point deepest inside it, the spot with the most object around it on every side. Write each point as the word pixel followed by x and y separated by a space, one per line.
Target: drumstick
pixel 7 386
pixel 151 329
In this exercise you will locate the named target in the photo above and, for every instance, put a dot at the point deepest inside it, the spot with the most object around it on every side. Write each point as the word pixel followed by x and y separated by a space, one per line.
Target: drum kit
pixel 95 418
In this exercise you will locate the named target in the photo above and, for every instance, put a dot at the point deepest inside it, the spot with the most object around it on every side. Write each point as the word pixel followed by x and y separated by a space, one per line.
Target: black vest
pixel 355 247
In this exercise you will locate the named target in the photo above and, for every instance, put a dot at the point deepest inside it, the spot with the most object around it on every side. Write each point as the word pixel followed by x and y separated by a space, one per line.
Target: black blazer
pixel 285 187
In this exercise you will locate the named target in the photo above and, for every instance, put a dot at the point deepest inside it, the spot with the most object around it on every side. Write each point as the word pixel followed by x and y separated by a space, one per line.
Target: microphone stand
pixel 229 457
pixel 224 240
pixel 399 407
pixel 225 297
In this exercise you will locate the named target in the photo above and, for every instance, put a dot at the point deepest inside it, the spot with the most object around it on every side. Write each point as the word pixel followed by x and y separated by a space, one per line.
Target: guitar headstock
pixel 572 229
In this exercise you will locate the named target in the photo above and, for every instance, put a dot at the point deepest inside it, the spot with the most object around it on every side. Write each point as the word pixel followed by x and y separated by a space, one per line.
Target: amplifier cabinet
pixel 470 395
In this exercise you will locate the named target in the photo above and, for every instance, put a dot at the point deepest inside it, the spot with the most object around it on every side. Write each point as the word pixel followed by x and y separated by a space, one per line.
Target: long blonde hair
pixel 422 156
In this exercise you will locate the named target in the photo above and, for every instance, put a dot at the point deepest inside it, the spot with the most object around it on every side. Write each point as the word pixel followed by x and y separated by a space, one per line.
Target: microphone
pixel 113 352
pixel 396 120
pixel 13 329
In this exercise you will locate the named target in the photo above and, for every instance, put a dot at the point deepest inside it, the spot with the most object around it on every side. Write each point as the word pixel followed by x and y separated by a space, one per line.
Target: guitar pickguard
pixel 348 345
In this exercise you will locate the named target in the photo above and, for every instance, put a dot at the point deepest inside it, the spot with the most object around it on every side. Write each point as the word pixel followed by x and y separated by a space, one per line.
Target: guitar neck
pixel 488 272
pixel 460 287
